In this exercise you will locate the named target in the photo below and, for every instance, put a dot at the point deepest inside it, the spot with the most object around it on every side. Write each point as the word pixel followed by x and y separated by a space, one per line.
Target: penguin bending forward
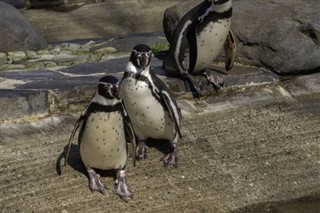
pixel 151 107
pixel 102 137
pixel 197 40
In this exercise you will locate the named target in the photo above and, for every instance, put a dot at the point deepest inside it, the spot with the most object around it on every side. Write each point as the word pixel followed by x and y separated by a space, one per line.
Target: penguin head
pixel 141 56
pixel 108 87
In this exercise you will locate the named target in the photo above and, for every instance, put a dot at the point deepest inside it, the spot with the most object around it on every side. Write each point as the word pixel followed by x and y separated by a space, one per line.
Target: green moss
pixel 159 47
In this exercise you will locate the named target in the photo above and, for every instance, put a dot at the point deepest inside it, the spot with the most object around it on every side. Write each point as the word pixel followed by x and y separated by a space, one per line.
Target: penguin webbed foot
pixel 121 187
pixel 141 151
pixel 194 85
pixel 216 80
pixel 171 158
pixel 95 183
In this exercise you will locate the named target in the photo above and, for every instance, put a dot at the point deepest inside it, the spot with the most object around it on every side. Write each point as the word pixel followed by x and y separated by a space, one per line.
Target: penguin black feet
pixel 171 158
pixel 214 79
pixel 194 85
pixel 121 187
pixel 141 151
pixel 95 183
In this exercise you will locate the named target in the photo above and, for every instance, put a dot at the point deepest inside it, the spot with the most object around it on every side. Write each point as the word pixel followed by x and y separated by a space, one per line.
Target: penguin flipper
pixel 230 50
pixel 173 109
pixel 129 129
pixel 75 128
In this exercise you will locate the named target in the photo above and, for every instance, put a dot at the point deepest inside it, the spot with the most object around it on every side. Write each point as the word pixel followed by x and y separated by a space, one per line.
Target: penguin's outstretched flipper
pixel 230 49
pixel 173 110
pixel 76 127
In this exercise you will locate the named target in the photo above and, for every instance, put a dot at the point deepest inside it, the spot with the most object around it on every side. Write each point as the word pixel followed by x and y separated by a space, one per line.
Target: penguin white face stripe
pixel 177 50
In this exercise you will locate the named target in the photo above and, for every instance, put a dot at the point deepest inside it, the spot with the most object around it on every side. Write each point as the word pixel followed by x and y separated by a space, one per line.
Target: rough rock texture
pixel 16 32
pixel 283 36
pixel 102 19
pixel 15 3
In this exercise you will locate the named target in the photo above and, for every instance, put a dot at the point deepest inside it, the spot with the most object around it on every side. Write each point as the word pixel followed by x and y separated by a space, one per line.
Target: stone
pixel 25 102
pixel 71 46
pixel 41 58
pixel 16 31
pixel 56 50
pixel 16 3
pixel 31 54
pixel 106 50
pixel 17 57
pixel 43 52
pixel 12 67
pixel 3 58
pixel 62 58
pixel 289 45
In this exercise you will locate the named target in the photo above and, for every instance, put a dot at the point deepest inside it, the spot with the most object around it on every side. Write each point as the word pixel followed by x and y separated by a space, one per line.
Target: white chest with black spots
pixel 148 117
pixel 210 42
pixel 103 143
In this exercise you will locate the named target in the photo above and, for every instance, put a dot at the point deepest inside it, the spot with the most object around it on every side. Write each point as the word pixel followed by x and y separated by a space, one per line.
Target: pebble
pixel 43 52
pixel 12 66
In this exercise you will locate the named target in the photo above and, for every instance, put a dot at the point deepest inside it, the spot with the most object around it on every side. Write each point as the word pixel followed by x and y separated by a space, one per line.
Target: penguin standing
pixel 197 40
pixel 150 105
pixel 102 137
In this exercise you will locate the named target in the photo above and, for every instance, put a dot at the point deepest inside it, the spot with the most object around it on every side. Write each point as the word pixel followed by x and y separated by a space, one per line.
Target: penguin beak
pixel 143 60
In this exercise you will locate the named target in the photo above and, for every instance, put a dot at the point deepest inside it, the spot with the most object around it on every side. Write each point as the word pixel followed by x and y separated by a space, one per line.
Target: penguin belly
pixel 103 144
pixel 147 115
pixel 210 42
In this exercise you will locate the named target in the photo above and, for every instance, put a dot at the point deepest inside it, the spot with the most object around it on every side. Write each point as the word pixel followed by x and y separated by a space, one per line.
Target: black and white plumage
pixel 197 40
pixel 102 137
pixel 151 107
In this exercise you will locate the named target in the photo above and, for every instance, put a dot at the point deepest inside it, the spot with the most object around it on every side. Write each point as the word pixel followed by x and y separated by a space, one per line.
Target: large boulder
pixel 17 33
pixel 283 36
pixel 15 3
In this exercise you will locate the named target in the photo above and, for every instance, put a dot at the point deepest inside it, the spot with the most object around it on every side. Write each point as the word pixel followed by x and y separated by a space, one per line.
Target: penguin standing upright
pixel 197 40
pixel 102 137
pixel 151 107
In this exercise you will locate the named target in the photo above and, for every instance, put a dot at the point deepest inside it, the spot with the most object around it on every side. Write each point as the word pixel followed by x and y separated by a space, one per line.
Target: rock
pixel 16 3
pixel 43 52
pixel 31 54
pixel 281 36
pixel 12 67
pixel 17 57
pixel 3 58
pixel 65 58
pixel 106 50
pixel 41 58
pixel 16 32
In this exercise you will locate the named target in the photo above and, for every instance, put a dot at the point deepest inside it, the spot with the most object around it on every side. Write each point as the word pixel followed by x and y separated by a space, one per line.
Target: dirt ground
pixel 251 157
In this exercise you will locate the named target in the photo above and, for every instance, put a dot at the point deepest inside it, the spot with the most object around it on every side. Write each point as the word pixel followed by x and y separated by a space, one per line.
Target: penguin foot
pixel 141 151
pixel 194 85
pixel 95 183
pixel 215 80
pixel 171 158
pixel 121 187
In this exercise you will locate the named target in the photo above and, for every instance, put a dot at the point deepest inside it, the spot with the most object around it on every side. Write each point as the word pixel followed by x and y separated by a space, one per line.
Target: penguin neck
pixel 104 101
pixel 221 7
pixel 136 70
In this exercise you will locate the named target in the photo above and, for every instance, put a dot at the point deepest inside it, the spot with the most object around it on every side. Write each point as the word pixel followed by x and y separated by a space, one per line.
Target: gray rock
pixel 282 36
pixel 15 3
pixel 25 102
pixel 16 32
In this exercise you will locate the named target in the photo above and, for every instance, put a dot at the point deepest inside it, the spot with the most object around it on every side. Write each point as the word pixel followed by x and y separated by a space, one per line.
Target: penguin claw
pixel 141 151
pixel 95 183
pixel 171 158
pixel 121 187
pixel 215 80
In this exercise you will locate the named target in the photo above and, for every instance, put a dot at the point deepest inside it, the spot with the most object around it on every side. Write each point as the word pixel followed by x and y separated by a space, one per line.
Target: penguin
pixel 150 105
pixel 197 40
pixel 102 137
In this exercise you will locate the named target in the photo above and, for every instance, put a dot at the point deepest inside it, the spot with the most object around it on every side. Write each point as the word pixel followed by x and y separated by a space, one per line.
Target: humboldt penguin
pixel 151 107
pixel 197 40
